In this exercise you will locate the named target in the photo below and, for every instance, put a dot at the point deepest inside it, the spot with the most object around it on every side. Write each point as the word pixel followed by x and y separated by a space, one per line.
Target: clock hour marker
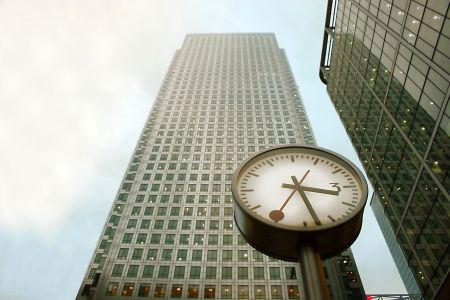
pixel 305 224
pixel 253 174
pixel 316 161
pixel 271 164
pixel 292 158
pixel 255 207
pixel 349 204
pixel 331 218
pixel 247 190
pixel 337 171
pixel 349 186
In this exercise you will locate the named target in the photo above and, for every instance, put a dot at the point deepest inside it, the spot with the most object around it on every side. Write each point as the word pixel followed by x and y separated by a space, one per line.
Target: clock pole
pixel 311 274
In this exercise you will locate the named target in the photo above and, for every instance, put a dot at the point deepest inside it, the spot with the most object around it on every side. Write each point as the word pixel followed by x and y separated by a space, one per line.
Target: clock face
pixel 301 188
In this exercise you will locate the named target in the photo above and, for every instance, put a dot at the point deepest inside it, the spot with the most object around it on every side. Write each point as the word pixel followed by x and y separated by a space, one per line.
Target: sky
pixel 77 81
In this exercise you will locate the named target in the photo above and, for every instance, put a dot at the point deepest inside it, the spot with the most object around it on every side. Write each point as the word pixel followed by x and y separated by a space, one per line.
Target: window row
pixel 224 291
pixel 203 272
pixel 180 255
pixel 188 199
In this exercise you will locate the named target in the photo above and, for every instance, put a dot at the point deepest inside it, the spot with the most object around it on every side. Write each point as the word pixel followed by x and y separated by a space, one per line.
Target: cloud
pixel 68 71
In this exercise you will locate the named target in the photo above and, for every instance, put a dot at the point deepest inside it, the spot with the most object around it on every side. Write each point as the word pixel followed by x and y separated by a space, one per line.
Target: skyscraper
pixel 387 68
pixel 170 232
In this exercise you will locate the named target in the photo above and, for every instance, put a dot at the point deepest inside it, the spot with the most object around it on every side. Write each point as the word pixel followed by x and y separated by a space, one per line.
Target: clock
pixel 295 194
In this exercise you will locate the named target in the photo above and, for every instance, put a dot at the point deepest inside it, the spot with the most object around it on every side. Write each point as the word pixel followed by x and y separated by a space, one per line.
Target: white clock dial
pixel 299 190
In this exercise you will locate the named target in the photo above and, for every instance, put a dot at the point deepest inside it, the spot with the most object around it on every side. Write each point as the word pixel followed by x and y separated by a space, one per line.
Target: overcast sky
pixel 77 80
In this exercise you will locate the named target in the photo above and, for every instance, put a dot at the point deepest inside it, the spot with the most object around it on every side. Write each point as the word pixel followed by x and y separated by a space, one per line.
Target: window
pixel 293 292
pixel 192 291
pixel 145 224
pixel 210 291
pixel 179 272
pixel 290 273
pixel 226 292
pixel 227 255
pixel 172 224
pixel 213 239
pixel 181 255
pixel 276 292
pixel 148 271
pixel 163 272
pixel 260 292
pixel 137 254
pixel 127 238
pixel 200 224
pixel 117 270
pixel 176 291
pixel 141 238
pixel 155 239
pixel 184 239
pixel 111 289
pixel 162 211
pixel 151 254
pixel 133 271
pixel 128 289
pixel 258 272
pixel 214 225
pixel 123 253
pixel 228 225
pixel 257 256
pixel 227 239
pixel 160 291
pixel 242 255
pixel 227 273
pixel 198 239
pixel 170 239
pixel 148 211
pixel 242 273
pixel 241 240
pixel 175 211
pixel 211 272
pixel 215 211
pixel 274 273
pixel 144 290
pixel 212 255
pixel 243 292
pixel 167 254
pixel 186 224
pixel 194 272
pixel 197 255
pixel 188 211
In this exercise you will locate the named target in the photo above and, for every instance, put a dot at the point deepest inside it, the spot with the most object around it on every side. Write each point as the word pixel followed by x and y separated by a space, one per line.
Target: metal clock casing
pixel 295 194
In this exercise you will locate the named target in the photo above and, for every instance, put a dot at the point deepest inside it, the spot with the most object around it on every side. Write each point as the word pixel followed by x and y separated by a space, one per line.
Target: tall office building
pixel 170 232
pixel 387 67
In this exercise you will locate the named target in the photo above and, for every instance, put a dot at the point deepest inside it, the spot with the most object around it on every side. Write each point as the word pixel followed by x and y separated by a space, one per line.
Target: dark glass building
pixel 170 232
pixel 386 65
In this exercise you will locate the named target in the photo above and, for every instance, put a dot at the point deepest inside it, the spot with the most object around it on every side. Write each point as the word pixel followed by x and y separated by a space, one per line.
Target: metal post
pixel 311 274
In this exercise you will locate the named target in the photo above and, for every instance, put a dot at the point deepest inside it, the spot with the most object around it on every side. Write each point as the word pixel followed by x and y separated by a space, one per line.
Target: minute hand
pixel 311 189
pixel 317 190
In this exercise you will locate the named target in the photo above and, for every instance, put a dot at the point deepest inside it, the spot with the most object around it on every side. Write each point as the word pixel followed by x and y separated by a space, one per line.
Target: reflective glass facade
pixel 388 77
pixel 170 232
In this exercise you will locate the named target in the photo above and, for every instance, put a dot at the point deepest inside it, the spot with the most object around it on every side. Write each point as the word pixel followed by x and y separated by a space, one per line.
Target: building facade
pixel 170 232
pixel 386 65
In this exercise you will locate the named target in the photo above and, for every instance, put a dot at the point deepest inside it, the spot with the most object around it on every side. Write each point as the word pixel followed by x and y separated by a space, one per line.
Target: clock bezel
pixel 255 227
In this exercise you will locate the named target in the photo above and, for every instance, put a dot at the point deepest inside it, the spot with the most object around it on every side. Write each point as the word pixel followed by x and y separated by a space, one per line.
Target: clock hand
pixel 311 189
pixel 277 214
pixel 305 200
